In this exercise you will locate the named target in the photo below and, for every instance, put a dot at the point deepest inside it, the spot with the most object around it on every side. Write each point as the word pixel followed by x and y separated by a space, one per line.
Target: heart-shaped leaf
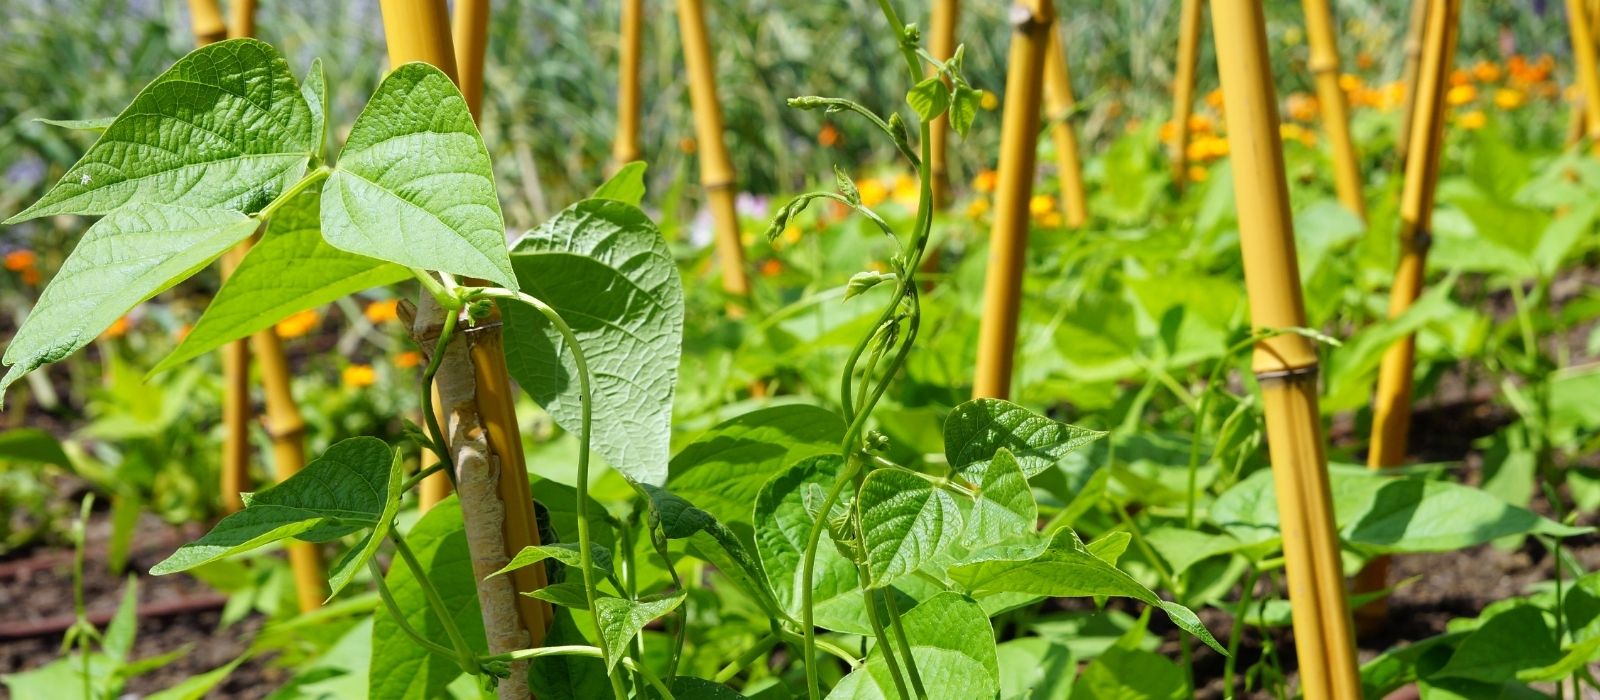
pixel 783 523
pixel 626 186
pixel 905 522
pixel 977 429
pixel 619 619
pixel 953 645
pixel 1004 507
pixel 724 469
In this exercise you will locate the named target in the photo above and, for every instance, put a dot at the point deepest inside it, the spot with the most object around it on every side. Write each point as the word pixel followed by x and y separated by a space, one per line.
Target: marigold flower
pixel 828 137
pixel 1460 95
pixel 1198 174
pixel 1208 148
pixel 1364 60
pixel 118 328
pixel 408 359
pixel 19 260
pixel 358 376
pixel 1200 123
pixel 1472 121
pixel 686 144
pixel 381 311
pixel 791 234
pixel 1301 107
pixel 1460 76
pixel 906 190
pixel 989 101
pixel 1508 98
pixel 1214 99
pixel 978 207
pixel 1295 132
pixel 1041 204
pixel 1486 72
pixel 985 180
pixel 771 267
pixel 1350 83
pixel 1169 131
pixel 872 192
pixel 1051 219
pixel 298 324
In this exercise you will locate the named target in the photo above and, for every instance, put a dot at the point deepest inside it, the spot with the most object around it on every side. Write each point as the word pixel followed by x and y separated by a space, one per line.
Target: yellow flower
pixel 1208 148
pixel 1486 72
pixel 1295 132
pixel 985 180
pixel 1198 174
pixel 1350 83
pixel 408 359
pixel 872 192
pixel 1169 130
pixel 1214 99
pixel 989 102
pixel 380 311
pixel 978 207
pixel 791 234
pixel 118 328
pixel 358 376
pixel 828 137
pixel 1293 36
pixel 1394 95
pixel 1041 204
pixel 1050 219
pixel 1472 120
pixel 1200 124
pixel 1508 98
pixel 1460 95
pixel 298 324
pixel 906 191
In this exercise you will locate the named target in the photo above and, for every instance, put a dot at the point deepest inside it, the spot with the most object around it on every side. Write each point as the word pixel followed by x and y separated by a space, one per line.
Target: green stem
pixel 807 568
pixel 400 617
pixel 1145 549
pixel 583 650
pixel 436 289
pixel 430 417
pixel 749 656
pixel 904 643
pixel 1237 633
pixel 586 397
pixel 882 637
pixel 435 601
pixel 422 474
pixel 310 179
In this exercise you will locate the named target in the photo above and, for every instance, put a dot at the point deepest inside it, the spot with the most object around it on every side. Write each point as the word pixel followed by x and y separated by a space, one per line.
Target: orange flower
pixel 985 181
pixel 1460 95
pixel 298 324
pixel 1295 132
pixel 1200 123
pixel 771 267
pixel 358 376
pixel 1198 174
pixel 19 260
pixel 1486 72
pixel 1207 148
pixel 118 328
pixel 686 144
pixel 1169 131
pixel 1350 83
pixel 1364 61
pixel 1508 98
pixel 1214 99
pixel 1301 107
pixel 828 137
pixel 1472 121
pixel 1460 76
pixel 408 359
pixel 380 311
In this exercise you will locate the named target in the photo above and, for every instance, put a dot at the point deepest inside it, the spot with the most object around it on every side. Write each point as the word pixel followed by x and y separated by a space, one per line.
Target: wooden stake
pixel 1583 55
pixel 716 168
pixel 205 20
pixel 1335 110
pixel 287 428
pixel 1061 105
pixel 1285 365
pixel 625 147
pixel 1183 88
pixel 469 29
pixel 942 45
pixel 1391 407
pixel 1008 236
pixel 241 19
pixel 474 390
pixel 1415 30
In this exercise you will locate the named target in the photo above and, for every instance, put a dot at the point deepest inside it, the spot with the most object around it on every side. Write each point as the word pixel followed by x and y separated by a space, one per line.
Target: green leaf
pixel 1035 668
pixel 1110 547
pixel 290 270
pixel 606 269
pixel 564 552
pixel 977 429
pixel 929 98
pixel 860 282
pixel 32 445
pixel 350 487
pixel 712 541
pixel 125 258
pixel 905 522
pixel 1004 506
pixel 96 124
pixel 619 619
pixel 315 91
pixel 400 668
pixel 567 594
pixel 1183 548
pixel 1578 657
pixel 565 677
pixel 691 688
pixel 953 645
pixel 345 569
pixel 1130 673
pixel 964 103
pixel 1064 571
pixel 846 186
pixel 626 186
pixel 224 127
pixel 413 185
pixel 198 687
pixel 783 523
pixel 118 639
pixel 724 469
pixel 1502 646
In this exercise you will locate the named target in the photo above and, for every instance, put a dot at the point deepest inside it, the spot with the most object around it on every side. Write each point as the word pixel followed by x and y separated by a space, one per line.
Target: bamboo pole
pixel 1324 66
pixel 241 19
pixel 716 168
pixel 205 20
pixel 474 390
pixel 1583 54
pixel 1415 30
pixel 1391 406
pixel 434 487
pixel 625 147
pixel 1061 105
pixel 287 429
pixel 469 29
pixel 1285 365
pixel 942 45
pixel 1183 87
pixel 1008 235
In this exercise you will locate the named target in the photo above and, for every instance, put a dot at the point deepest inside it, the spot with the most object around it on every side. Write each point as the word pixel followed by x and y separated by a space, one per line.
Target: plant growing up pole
pixel 1391 406
pixel 716 168
pixel 1062 112
pixel 1008 235
pixel 625 146
pixel 1189 33
pixel 1285 363
pixel 480 427
pixel 942 45
pixel 1335 109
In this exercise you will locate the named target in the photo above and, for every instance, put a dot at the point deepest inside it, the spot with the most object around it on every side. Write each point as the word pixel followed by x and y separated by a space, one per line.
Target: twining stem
pixel 400 616
pixel 881 636
pixel 583 650
pixel 435 601
pixel 1238 631
pixel 429 415
pixel 586 400
pixel 746 658
pixel 311 178
pixel 420 475
pixel 904 642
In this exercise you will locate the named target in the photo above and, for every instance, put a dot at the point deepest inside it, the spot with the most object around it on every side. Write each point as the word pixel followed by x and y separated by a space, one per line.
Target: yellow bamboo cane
pixel 1583 54
pixel 1285 365
pixel 205 20
pixel 716 168
pixel 1415 29
pixel 1183 87
pixel 1335 111
pixel 1008 235
pixel 419 30
pixel 287 429
pixel 241 19
pixel 1061 105
pixel 942 45
pixel 1391 406
pixel 625 147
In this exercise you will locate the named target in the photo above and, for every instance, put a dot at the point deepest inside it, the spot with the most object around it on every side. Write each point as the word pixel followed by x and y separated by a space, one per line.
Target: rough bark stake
pixel 716 168
pixel 1061 105
pixel 1335 110
pixel 1285 365
pixel 1008 236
